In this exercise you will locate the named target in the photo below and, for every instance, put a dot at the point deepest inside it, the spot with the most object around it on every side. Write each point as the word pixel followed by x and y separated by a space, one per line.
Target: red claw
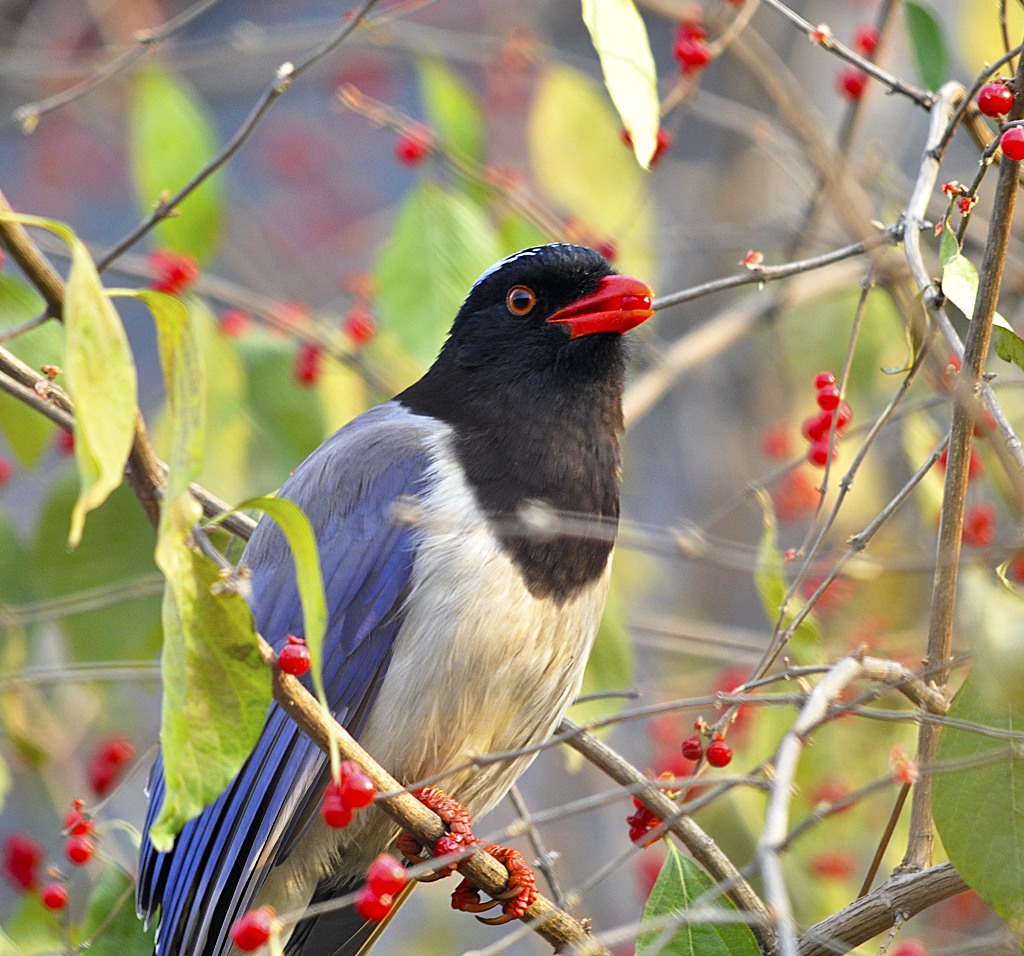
pixel 519 892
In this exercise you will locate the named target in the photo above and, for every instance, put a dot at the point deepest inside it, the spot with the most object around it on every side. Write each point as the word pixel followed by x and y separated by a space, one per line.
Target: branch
pixel 900 897
pixel 979 333
pixel 703 848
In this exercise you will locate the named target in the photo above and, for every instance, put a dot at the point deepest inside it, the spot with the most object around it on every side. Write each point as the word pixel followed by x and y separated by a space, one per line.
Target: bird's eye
pixel 520 300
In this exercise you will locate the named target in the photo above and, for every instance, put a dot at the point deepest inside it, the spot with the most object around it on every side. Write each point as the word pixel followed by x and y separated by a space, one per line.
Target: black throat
pixel 546 435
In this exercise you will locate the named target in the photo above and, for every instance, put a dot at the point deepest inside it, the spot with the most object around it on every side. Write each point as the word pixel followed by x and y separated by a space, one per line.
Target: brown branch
pixel 904 894
pixel 979 334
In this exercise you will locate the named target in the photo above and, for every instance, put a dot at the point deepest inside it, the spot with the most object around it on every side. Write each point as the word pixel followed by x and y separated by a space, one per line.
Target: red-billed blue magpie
pixel 452 630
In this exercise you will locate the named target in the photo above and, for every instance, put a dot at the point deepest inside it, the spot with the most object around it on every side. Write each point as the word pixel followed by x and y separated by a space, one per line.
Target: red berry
pixel 79 849
pixel 294 658
pixel 77 823
pixel 412 147
pixel 107 762
pixel 173 272
pixel 719 753
pixel 357 789
pixel 359 325
pixel 995 99
pixel 690 29
pixel 386 875
pixel 373 906
pixel 979 525
pixel 824 378
pixel 693 748
pixel 234 323
pixel 844 415
pixel 6 470
pixel 607 248
pixel 817 454
pixel 252 929
pixel 54 896
pixel 912 947
pixel 866 38
pixel 66 442
pixel 833 865
pixel 775 442
pixel 829 397
pixel 851 82
pixel 21 859
pixel 308 364
pixel 336 813
pixel 829 791
pixel 816 427
pixel 1013 143
pixel 693 54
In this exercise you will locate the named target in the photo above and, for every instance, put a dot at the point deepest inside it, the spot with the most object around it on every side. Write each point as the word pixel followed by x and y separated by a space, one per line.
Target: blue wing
pixel 347 489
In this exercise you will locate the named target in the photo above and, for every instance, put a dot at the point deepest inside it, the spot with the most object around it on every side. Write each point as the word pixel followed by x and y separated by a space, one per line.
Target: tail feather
pixel 340 932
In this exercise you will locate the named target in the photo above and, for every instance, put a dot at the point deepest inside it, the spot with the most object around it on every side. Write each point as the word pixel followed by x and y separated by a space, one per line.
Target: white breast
pixel 479 666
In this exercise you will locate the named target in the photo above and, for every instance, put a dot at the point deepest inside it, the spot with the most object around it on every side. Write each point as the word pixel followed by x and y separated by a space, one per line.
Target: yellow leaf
pixel 620 38
pixel 579 162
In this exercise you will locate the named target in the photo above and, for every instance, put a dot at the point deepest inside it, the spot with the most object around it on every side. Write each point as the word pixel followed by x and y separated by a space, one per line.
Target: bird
pixel 454 627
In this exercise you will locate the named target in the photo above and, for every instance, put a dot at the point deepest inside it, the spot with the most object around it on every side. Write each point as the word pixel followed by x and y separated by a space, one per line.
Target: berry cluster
pixel 385 879
pixel 817 428
pixel 691 48
pixel 717 753
pixel 641 823
pixel 293 658
pixel 351 791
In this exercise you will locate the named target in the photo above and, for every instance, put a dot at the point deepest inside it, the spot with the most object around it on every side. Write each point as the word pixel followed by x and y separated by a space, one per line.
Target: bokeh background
pixel 330 262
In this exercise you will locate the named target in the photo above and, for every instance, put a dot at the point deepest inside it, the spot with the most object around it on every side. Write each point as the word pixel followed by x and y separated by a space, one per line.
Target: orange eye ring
pixel 520 300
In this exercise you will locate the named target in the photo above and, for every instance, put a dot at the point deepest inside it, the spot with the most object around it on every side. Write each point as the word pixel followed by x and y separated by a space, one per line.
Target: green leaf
pixel 977 807
pixel 101 377
pixel 805 643
pixel 439 245
pixel 296 528
pixel 28 433
pixel 949 247
pixel 580 164
pixel 8 947
pixel 680 883
pixel 452 109
pixel 287 422
pixel 960 286
pixel 620 38
pixel 116 555
pixel 927 42
pixel 173 137
pixel 110 920
pixel 216 693
pixel 33 928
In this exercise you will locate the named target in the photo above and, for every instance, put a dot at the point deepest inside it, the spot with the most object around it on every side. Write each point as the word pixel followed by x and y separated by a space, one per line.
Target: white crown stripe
pixel 522 254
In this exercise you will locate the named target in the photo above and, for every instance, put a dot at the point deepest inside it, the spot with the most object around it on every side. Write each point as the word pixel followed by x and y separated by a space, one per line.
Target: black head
pixel 531 381
pixel 544 307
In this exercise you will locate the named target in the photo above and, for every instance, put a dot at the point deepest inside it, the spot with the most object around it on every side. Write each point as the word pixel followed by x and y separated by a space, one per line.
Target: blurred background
pixel 323 265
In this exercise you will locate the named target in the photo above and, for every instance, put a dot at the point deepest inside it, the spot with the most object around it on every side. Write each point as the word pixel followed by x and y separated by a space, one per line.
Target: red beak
pixel 619 304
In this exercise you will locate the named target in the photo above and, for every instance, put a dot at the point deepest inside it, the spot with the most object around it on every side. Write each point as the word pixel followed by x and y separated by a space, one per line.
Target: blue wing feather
pixel 347 489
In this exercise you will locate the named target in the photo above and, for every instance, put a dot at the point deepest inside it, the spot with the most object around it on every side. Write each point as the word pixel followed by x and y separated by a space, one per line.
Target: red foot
pixel 519 892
